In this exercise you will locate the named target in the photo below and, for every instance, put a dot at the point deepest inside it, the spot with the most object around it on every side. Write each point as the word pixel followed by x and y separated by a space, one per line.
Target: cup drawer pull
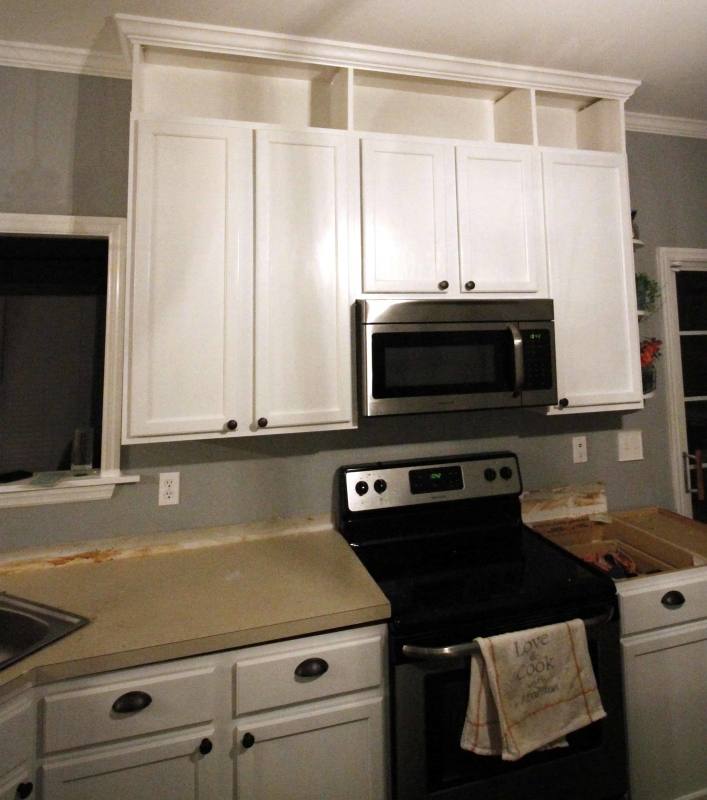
pixel 673 599
pixel 311 668
pixel 130 702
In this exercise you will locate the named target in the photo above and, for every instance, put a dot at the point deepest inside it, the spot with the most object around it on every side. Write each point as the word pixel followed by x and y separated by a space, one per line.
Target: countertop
pixel 189 593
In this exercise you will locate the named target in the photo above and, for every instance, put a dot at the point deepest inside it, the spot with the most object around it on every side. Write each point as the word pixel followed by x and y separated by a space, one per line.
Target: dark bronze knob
pixel 131 702
pixel 443 285
pixel 231 424
pixel 25 789
pixel 206 746
pixel 673 599
pixel 263 422
pixel 469 285
pixel 564 402
pixel 248 740
pixel 311 668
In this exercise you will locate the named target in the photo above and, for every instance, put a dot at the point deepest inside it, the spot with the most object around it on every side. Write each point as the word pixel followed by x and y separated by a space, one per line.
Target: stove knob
pixel 490 474
pixel 361 488
pixel 506 473
pixel 380 485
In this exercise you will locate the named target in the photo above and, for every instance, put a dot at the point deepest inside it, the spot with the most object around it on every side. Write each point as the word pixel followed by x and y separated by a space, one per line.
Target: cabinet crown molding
pixel 148 31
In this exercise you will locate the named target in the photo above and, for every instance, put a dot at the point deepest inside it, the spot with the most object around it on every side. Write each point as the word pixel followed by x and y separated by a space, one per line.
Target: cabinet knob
pixel 25 789
pixel 263 422
pixel 563 402
pixel 248 740
pixel 131 702
pixel 443 285
pixel 673 599
pixel 206 746
pixel 231 424
pixel 469 285
pixel 311 668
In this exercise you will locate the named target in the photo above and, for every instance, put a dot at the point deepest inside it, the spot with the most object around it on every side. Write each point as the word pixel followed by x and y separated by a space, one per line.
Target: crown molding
pixel 239 41
pixel 26 55
pixel 667 126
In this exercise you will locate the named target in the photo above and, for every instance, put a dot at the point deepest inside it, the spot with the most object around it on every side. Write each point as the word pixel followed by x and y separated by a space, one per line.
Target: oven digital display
pixel 435 479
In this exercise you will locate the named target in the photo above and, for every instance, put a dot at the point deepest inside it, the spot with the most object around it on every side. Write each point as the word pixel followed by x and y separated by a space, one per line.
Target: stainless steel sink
pixel 26 626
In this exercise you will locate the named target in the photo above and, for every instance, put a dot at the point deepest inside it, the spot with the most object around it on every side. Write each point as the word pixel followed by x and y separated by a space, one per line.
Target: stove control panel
pixel 393 484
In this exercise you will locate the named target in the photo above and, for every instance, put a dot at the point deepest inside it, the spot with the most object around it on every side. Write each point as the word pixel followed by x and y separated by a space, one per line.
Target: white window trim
pixel 99 486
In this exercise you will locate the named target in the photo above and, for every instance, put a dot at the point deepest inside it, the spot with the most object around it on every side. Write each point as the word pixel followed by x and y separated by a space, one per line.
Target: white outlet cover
pixel 630 445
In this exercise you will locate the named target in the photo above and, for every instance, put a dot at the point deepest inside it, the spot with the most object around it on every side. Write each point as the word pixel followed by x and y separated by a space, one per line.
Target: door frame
pixel 669 260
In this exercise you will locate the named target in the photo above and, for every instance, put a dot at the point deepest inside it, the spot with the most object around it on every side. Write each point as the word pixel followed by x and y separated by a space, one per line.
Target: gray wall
pixel 78 129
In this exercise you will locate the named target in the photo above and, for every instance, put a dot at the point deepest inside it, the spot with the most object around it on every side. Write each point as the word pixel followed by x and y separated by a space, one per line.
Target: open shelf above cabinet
pixel 579 122
pixel 226 87
pixel 388 103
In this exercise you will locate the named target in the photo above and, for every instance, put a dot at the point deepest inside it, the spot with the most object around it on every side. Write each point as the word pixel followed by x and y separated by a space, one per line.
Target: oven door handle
pixel 469 648
pixel 518 363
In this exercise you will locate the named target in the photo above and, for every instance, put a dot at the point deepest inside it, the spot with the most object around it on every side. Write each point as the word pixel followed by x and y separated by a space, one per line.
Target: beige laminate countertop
pixel 189 593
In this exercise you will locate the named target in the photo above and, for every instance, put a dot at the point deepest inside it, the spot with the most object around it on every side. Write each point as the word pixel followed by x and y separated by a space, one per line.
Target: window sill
pixel 47 488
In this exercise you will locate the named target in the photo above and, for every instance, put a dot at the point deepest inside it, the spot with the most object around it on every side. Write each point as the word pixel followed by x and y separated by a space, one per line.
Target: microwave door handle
pixel 518 363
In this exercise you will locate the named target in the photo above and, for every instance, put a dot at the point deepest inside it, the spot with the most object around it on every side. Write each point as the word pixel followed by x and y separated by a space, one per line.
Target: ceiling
pixel 661 43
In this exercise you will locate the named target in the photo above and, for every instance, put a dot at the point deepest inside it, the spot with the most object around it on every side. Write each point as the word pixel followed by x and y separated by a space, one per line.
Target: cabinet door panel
pixel 191 319
pixel 172 770
pixel 500 219
pixel 666 710
pixel 303 339
pixel 591 278
pixel 335 754
pixel 409 216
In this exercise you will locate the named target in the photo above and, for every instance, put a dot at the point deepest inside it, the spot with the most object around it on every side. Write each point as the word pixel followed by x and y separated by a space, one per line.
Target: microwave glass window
pixel 420 364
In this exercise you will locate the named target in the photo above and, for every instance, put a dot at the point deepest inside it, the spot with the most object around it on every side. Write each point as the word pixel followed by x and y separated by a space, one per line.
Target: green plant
pixel 647 292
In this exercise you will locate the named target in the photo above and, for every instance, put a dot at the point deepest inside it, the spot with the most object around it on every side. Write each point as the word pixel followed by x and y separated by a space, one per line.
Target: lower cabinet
pixel 664 646
pixel 334 754
pixel 302 718
pixel 179 768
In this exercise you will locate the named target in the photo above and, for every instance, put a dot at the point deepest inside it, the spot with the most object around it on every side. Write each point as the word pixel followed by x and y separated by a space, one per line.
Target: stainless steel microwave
pixel 453 355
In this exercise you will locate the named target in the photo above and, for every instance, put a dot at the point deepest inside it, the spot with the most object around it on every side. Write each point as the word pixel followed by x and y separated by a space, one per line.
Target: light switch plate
pixel 630 445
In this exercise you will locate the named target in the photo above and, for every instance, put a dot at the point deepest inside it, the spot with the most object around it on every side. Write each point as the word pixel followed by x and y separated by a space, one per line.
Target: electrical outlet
pixel 579 449
pixel 630 445
pixel 169 489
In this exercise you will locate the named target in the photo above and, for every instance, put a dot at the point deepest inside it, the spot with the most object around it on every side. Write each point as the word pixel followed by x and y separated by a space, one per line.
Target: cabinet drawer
pixel 646 603
pixel 84 715
pixel 16 734
pixel 267 677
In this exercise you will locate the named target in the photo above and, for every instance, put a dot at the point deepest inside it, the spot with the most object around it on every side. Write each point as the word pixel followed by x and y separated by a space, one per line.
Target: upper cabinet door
pixel 501 236
pixel 302 315
pixel 188 360
pixel 409 216
pixel 592 279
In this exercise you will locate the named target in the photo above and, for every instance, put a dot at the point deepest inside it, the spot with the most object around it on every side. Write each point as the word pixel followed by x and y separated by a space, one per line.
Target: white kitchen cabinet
pixel 587 215
pixel 298 737
pixel 334 754
pixel 164 769
pixel 418 239
pixel 302 316
pixel 501 235
pixel 409 216
pixel 664 651
pixel 17 746
pixel 188 356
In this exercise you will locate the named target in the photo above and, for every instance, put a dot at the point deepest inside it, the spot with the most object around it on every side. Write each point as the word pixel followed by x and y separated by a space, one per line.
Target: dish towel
pixel 528 689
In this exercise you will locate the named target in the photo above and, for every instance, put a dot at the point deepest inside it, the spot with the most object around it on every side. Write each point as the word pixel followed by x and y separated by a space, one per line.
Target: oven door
pixel 411 368
pixel 429 704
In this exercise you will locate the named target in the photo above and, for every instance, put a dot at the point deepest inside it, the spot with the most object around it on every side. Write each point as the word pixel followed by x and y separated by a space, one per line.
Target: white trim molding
pixel 28 55
pixel 148 31
pixel 669 260
pixel 667 126
pixel 101 485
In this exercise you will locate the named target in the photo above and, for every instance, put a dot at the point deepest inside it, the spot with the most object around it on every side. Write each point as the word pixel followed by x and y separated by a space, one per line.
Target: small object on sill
pixel 649 395
pixel 637 243
pixel 45 479
pixel 15 475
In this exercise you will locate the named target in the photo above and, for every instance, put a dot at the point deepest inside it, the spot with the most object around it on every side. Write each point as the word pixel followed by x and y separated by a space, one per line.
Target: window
pixel 81 287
